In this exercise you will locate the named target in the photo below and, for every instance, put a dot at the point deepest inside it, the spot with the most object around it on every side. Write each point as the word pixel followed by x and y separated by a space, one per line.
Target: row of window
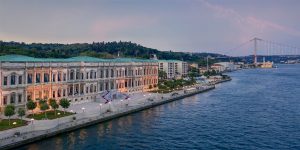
pixel 72 76
pixel 13 98
pixel 13 80
pixel 62 92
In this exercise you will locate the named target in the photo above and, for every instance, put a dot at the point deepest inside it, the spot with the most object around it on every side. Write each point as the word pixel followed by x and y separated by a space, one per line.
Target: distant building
pixel 265 64
pixel 218 67
pixel 153 57
pixel 239 65
pixel 194 65
pixel 202 70
pixel 173 68
pixel 224 66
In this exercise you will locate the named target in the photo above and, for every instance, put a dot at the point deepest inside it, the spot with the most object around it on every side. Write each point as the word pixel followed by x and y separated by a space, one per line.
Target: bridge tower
pixel 255 40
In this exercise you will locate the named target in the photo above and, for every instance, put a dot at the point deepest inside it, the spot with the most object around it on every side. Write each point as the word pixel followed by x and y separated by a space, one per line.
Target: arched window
pixel 112 73
pixel 72 75
pixel 107 73
pixel 91 74
pixel 112 85
pixel 12 98
pixel 5 81
pixel 101 73
pixel 20 80
pixel 91 88
pixel 59 93
pixel 77 74
pixel 13 79
pixel 46 77
pixel 106 86
pixel 59 76
pixel 65 77
pixel 38 78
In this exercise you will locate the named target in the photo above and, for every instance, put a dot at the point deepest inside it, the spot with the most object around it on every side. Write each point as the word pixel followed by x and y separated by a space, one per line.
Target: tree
pixel 9 111
pixel 31 105
pixel 44 106
pixel 213 72
pixel 53 105
pixel 64 103
pixel 162 74
pixel 21 113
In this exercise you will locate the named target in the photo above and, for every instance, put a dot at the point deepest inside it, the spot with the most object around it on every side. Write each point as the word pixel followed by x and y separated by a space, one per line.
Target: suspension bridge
pixel 262 48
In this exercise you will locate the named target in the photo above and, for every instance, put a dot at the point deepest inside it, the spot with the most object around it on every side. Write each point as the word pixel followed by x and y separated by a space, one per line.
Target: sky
pixel 178 25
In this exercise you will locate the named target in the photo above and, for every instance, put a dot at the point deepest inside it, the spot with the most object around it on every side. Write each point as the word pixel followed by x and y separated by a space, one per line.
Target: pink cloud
pixel 249 24
pixel 104 28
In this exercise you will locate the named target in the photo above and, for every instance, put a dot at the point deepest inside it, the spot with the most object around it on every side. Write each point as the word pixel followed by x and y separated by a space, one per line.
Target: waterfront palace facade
pixel 77 79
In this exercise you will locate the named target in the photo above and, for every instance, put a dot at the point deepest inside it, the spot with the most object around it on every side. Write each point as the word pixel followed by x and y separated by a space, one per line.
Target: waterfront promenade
pixel 90 113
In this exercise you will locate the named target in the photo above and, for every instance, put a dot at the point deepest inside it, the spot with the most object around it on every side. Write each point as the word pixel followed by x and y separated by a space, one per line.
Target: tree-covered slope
pixel 95 49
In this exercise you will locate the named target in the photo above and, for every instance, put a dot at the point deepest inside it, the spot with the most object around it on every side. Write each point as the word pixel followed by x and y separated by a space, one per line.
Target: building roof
pixel 215 65
pixel 170 60
pixel 21 58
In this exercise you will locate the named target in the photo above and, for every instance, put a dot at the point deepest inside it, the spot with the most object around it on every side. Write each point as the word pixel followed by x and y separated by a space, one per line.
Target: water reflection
pixel 100 130
pixel 33 147
pixel 71 140
pixel 82 135
pixel 58 143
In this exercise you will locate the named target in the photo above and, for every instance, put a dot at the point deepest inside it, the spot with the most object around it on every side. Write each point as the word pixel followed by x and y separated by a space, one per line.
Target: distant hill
pixel 96 49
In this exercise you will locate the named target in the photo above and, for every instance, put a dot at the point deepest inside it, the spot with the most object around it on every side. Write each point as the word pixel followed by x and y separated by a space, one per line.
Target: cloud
pixel 249 24
pixel 264 24
pixel 105 27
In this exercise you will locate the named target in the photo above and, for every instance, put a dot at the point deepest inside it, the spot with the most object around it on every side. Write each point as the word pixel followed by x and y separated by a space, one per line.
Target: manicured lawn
pixel 167 86
pixel 50 115
pixel 164 90
pixel 4 124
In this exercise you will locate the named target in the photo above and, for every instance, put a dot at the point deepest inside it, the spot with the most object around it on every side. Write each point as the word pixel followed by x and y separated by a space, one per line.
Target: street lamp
pixel 83 109
pixel 109 106
pixel 128 101
pixel 100 105
pixel 32 120
pixel 145 100
pixel 58 119
pixel 32 124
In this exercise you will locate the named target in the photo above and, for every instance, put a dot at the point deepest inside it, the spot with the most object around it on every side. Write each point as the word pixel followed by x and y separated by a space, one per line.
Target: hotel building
pixel 77 79
pixel 174 68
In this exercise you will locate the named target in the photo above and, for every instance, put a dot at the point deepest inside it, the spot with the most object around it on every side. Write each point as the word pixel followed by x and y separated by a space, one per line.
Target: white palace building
pixel 79 78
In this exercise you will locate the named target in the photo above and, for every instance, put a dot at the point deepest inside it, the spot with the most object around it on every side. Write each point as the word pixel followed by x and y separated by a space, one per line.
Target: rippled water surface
pixel 258 109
